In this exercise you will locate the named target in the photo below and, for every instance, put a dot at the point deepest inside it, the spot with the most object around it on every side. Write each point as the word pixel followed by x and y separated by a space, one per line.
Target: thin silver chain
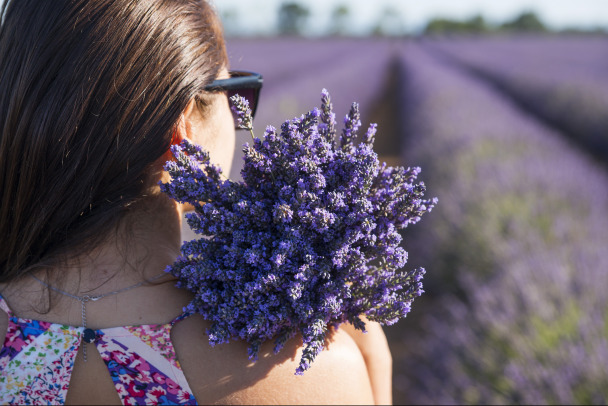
pixel 87 298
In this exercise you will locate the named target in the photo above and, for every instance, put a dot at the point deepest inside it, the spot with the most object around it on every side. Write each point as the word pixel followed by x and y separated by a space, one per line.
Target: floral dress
pixel 37 359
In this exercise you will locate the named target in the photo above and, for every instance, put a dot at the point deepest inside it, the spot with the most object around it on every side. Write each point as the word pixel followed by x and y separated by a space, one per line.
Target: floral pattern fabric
pixel 37 359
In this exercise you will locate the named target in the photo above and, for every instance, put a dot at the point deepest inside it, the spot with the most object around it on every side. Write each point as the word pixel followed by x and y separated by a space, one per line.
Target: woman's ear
pixel 183 129
pixel 185 124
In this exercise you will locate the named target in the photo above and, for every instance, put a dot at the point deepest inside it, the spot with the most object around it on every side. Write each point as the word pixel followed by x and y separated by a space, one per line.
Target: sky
pixel 259 16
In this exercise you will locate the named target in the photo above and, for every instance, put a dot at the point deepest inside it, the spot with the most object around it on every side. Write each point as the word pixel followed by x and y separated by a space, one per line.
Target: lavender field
pixel 563 81
pixel 516 257
pixel 512 136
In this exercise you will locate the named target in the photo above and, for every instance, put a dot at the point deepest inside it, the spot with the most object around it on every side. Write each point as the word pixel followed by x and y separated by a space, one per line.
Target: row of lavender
pixel 516 305
pixel 563 80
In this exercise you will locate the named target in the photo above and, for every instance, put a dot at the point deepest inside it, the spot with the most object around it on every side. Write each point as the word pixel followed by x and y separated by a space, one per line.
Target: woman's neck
pixel 145 243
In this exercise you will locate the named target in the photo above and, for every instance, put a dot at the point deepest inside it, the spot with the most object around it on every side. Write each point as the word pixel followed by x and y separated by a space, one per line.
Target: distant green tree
pixel 390 23
pixel 292 18
pixel 477 24
pixel 443 26
pixel 525 22
pixel 339 20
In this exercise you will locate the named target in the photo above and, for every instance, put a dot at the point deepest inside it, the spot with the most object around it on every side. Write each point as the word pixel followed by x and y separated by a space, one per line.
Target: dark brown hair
pixel 90 93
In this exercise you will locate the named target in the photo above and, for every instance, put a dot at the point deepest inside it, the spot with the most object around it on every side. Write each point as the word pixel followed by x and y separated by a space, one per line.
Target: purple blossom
pixel 309 240
pixel 240 107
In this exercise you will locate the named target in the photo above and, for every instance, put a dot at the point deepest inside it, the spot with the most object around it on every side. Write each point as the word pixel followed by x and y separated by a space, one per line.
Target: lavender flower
pixel 240 107
pixel 309 240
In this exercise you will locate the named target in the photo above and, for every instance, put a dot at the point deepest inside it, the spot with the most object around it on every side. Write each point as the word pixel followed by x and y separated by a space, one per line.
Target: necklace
pixel 89 336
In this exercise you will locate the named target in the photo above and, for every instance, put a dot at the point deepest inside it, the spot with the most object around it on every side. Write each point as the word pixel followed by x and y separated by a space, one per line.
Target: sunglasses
pixel 245 84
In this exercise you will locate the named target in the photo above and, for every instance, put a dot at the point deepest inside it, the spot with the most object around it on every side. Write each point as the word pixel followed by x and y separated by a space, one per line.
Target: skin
pixel 347 372
pixel 378 360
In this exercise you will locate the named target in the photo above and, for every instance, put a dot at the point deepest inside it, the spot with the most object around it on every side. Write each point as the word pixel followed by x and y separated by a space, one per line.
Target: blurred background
pixel 504 105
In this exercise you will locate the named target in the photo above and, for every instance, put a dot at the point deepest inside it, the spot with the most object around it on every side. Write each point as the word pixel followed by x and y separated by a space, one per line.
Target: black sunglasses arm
pixel 238 80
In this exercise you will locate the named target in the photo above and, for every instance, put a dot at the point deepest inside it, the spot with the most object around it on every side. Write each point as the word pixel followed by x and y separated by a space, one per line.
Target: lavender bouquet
pixel 307 241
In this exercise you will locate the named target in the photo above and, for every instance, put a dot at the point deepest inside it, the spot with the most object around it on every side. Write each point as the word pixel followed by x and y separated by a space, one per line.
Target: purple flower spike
pixel 370 135
pixel 327 128
pixel 309 240
pixel 352 122
pixel 240 107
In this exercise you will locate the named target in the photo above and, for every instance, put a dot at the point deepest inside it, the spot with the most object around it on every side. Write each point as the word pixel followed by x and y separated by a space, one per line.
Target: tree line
pixel 293 19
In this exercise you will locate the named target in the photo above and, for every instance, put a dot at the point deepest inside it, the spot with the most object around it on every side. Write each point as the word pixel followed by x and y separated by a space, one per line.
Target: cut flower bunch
pixel 307 241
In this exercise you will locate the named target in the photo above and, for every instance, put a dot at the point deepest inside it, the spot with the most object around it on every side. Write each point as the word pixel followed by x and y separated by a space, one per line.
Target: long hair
pixel 90 94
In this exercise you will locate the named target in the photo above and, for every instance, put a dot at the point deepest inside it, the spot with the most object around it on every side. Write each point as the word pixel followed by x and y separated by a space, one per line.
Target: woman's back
pixel 135 364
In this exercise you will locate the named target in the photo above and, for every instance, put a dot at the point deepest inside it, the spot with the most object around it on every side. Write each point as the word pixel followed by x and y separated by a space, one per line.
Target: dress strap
pixel 4 306
pixel 181 317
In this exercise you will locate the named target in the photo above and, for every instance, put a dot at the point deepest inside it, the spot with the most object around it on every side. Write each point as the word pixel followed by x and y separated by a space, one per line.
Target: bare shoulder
pixel 224 375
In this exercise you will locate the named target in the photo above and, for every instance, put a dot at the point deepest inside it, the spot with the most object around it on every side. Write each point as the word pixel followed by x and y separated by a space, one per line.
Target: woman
pixel 92 94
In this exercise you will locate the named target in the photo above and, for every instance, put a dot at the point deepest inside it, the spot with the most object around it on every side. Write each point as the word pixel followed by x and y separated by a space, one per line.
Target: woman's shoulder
pixel 223 374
